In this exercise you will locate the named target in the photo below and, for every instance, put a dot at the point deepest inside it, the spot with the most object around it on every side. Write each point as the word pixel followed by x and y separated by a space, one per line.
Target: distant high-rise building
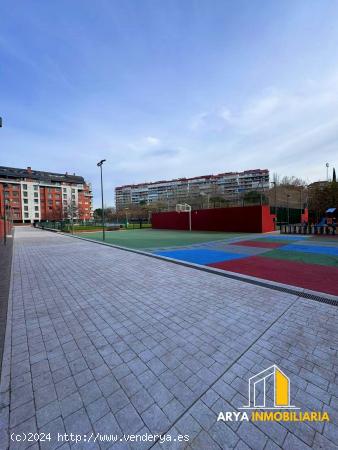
pixel 32 195
pixel 229 185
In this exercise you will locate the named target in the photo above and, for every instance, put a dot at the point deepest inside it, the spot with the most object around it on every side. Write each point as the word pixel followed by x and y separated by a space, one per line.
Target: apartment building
pixel 229 185
pixel 31 195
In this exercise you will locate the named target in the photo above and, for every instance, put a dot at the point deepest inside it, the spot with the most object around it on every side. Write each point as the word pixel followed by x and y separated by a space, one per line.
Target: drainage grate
pixel 317 298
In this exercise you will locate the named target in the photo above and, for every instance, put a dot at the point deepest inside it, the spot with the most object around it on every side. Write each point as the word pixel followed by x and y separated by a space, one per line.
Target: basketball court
pixel 307 262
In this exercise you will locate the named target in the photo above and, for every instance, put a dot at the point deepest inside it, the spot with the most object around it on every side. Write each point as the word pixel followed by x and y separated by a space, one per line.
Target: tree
pixel 292 181
pixel 255 197
pixel 321 198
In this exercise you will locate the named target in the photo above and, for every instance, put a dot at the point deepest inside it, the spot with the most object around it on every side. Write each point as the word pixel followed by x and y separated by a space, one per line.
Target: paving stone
pixel 204 441
pixel 141 400
pixel 22 413
pixel 21 395
pixel 204 416
pixel 45 395
pixel 321 442
pixel 61 374
pixel 129 420
pixel 155 420
pixel 108 422
pixel 223 435
pixel 173 409
pixel 97 409
pixel 183 394
pixel 160 394
pixel 83 378
pixel 65 387
pixel 70 404
pixel 117 401
pixel 119 351
pixel 252 436
pixel 78 422
pixel 331 431
pixel 188 425
pixel 48 413
pixel 156 366
pixel 90 392
pixel 292 442
pixel 101 372
pixel 130 384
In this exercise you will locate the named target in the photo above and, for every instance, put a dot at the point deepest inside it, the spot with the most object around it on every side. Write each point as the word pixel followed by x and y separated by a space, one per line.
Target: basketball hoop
pixel 184 207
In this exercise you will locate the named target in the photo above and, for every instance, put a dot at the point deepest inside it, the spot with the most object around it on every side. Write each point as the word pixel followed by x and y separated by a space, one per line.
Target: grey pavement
pixel 100 340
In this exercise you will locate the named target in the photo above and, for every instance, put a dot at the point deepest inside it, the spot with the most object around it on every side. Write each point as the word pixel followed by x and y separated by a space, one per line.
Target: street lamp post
pixel 4 186
pixel 126 211
pixel 287 205
pixel 275 189
pixel 327 171
pixel 99 164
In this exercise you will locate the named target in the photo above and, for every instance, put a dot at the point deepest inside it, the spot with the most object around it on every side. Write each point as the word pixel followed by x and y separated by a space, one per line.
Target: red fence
pixel 249 219
pixel 2 229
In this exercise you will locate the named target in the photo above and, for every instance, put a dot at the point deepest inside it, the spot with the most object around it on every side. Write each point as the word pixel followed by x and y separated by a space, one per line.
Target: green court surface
pixel 307 258
pixel 148 238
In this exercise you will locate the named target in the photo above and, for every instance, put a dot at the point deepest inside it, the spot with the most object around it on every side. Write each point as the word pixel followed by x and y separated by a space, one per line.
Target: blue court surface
pixel 200 256
pixel 333 251
pixel 288 237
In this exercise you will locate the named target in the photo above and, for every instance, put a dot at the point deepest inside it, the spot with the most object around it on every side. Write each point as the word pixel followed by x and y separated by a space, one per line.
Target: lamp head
pixel 99 164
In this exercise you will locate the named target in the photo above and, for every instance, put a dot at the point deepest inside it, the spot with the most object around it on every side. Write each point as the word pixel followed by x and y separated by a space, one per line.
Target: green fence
pixel 287 215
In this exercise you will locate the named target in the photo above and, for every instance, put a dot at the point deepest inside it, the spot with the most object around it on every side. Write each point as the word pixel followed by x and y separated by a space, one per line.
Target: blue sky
pixel 165 89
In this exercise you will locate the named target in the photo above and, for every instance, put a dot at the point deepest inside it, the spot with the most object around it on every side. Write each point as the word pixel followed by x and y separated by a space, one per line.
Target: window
pixel 26 208
pixel 36 187
pixel 36 215
pixel 15 194
pixel 24 186
pixel 25 201
pixel 36 200
pixel 25 194
pixel 36 194
pixel 26 215
pixel 50 196
pixel 73 190
pixel 64 189
pixel 36 208
pixel 64 195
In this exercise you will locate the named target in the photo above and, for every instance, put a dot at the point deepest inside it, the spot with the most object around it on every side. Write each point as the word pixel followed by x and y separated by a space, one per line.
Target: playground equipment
pixel 327 225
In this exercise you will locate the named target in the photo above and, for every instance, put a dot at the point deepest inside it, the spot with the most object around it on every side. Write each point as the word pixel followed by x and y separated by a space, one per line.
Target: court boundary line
pixel 308 294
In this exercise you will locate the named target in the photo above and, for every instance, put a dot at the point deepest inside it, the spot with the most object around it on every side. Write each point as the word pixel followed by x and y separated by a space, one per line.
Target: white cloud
pixel 151 140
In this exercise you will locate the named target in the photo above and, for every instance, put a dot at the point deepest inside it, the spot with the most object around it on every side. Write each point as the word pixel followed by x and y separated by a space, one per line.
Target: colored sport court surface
pixel 309 262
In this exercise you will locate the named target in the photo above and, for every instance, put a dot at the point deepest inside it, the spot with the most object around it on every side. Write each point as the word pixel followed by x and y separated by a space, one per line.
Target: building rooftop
pixel 258 171
pixel 14 173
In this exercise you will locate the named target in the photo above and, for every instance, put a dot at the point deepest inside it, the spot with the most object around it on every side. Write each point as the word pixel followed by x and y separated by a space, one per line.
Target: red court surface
pixel 259 244
pixel 314 276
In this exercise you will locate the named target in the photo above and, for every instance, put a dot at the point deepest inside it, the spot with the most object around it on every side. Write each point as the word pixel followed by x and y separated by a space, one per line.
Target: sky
pixel 168 89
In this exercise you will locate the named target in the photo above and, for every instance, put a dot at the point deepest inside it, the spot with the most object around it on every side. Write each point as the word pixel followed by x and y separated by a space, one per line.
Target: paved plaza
pixel 104 341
